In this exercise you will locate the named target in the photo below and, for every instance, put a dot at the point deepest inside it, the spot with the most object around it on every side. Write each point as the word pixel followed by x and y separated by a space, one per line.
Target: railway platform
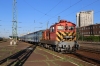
pixel 25 54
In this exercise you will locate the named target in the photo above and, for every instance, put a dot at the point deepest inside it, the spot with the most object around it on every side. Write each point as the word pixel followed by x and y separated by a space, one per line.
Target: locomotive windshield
pixel 71 27
pixel 60 27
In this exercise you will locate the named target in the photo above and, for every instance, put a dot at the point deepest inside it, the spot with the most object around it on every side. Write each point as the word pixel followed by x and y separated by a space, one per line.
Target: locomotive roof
pixel 62 21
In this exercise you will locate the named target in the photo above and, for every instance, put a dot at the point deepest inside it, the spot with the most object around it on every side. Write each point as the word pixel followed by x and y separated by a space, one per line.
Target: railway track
pixel 87 56
pixel 92 50
pixel 89 52
pixel 91 43
pixel 17 58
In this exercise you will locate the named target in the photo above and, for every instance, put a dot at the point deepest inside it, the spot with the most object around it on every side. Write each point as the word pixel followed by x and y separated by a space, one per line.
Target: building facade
pixel 84 18
pixel 91 30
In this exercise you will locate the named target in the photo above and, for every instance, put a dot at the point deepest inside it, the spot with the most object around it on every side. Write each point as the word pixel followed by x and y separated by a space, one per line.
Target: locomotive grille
pixel 62 35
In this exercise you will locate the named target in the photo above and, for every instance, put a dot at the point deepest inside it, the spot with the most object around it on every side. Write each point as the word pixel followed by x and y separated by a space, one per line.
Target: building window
pixel 89 32
pixel 93 27
pixel 95 32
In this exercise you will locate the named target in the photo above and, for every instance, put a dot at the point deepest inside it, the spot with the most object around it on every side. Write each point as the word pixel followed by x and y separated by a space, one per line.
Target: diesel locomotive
pixel 59 37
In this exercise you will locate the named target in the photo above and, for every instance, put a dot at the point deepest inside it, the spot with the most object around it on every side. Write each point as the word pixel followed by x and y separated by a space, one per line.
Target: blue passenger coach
pixel 33 37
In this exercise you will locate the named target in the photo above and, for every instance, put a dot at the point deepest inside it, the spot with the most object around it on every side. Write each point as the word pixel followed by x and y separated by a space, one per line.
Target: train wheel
pixel 74 49
pixel 58 50
pixel 68 49
pixel 46 46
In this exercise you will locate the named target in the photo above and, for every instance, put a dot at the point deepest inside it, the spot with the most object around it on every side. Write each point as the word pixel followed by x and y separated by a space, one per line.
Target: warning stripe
pixel 61 35
pixel 74 34
pixel 58 36
pixel 57 39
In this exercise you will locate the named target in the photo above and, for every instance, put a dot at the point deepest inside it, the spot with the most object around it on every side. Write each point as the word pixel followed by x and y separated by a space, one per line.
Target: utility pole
pixel 47 24
pixel 14 24
pixel 58 18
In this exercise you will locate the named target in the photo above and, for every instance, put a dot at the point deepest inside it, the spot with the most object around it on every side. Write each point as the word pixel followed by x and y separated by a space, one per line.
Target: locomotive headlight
pixel 68 37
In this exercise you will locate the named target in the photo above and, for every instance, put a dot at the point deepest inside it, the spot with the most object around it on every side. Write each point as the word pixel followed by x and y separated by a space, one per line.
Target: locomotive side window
pixel 52 29
pixel 60 27
pixel 71 27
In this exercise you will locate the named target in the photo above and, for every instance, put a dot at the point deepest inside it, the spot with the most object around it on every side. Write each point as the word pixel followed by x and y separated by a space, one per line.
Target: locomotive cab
pixel 66 35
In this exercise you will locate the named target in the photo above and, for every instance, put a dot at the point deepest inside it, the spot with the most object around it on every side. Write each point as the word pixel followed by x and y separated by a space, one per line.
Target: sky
pixel 33 15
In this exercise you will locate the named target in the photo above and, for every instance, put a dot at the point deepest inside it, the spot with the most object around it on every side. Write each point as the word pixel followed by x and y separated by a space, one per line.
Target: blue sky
pixel 36 13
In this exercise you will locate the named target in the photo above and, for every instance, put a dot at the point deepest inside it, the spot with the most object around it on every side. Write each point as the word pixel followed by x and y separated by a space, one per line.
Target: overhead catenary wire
pixel 76 10
pixel 97 12
pixel 69 8
pixel 83 7
pixel 52 8
pixel 33 7
pixel 66 9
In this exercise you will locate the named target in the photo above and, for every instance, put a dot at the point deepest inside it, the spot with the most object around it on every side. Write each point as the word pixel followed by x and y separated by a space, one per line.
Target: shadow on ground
pixel 19 58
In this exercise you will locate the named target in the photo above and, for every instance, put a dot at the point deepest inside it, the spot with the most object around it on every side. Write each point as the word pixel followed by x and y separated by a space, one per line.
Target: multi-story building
pixel 84 18
pixel 91 30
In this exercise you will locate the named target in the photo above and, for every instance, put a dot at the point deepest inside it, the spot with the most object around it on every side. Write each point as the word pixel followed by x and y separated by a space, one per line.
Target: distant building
pixel 90 30
pixel 84 18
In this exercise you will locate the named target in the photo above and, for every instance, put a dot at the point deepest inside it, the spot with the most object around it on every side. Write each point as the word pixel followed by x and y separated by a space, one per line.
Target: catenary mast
pixel 14 23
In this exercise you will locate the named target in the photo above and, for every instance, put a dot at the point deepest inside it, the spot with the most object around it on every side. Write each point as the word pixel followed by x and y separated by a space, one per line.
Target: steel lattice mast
pixel 14 22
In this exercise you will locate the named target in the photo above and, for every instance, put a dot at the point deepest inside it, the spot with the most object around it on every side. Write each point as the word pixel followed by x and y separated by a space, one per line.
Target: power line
pixel 55 6
pixel 52 8
pixel 34 8
pixel 77 10
pixel 97 12
pixel 83 7
pixel 66 9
